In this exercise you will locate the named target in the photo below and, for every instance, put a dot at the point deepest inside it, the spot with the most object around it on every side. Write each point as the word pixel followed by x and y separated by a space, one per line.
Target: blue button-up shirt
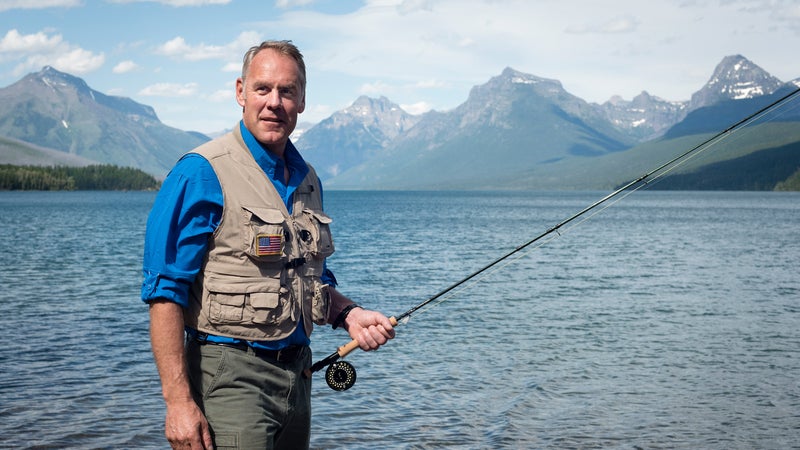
pixel 188 210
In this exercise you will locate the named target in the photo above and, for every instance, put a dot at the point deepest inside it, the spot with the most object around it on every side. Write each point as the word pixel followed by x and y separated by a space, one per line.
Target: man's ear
pixel 240 91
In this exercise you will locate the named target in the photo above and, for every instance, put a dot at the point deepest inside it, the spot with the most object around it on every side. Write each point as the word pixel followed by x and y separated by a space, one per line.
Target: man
pixel 235 273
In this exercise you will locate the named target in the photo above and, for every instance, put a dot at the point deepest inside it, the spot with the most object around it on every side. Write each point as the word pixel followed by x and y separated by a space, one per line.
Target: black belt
pixel 285 355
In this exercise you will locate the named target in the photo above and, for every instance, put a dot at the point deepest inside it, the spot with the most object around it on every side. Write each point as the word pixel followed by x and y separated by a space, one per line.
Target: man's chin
pixel 273 136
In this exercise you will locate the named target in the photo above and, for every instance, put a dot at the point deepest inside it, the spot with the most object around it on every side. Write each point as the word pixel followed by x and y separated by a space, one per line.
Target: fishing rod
pixel 341 375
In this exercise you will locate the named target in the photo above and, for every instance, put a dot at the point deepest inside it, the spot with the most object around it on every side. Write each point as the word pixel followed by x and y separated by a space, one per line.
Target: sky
pixel 182 57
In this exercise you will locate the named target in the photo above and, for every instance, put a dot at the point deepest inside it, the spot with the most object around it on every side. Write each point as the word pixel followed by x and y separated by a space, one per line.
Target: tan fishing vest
pixel 262 270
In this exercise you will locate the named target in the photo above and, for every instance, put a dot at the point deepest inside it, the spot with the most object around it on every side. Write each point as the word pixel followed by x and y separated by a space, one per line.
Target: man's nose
pixel 274 99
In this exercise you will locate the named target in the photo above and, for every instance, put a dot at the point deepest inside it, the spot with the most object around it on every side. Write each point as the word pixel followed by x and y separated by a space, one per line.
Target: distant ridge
pixel 55 110
pixel 17 152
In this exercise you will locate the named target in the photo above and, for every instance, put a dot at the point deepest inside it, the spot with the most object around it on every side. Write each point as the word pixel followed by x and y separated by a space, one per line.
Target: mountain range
pixel 520 131
pixel 54 110
pixel 517 131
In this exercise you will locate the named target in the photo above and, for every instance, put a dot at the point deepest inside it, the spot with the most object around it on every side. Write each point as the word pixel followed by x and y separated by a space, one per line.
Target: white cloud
pixel 316 112
pixel 222 96
pixel 245 40
pixel 14 42
pixel 411 6
pixel 125 67
pixel 232 67
pixel 178 48
pixel 6 5
pixel 417 108
pixel 78 61
pixel 40 49
pixel 170 90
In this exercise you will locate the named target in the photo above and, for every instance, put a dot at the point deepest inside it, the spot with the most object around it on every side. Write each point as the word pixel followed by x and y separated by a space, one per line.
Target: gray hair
pixel 286 48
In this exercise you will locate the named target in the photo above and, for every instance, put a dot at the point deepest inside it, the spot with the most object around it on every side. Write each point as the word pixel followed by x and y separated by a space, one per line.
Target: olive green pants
pixel 251 402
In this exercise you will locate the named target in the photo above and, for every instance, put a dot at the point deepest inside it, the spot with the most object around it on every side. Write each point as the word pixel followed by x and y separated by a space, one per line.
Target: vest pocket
pixel 264 234
pixel 225 307
pixel 269 303
pixel 320 303
pixel 315 233
pixel 271 307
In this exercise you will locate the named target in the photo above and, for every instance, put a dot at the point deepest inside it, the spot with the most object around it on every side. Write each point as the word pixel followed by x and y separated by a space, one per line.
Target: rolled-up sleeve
pixel 186 212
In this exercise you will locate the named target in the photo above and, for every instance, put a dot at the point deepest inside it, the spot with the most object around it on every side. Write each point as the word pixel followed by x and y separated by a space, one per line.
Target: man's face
pixel 271 97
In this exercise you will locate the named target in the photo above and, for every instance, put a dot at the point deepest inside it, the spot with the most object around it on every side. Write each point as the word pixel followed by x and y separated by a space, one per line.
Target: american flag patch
pixel 269 244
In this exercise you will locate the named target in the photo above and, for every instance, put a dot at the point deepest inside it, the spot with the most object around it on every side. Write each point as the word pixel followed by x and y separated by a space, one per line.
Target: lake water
pixel 669 320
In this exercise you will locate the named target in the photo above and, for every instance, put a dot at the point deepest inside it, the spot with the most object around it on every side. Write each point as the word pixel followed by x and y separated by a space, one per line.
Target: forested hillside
pixel 96 177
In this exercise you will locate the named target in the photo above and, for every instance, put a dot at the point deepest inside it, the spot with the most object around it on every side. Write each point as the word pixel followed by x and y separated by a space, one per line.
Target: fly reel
pixel 340 376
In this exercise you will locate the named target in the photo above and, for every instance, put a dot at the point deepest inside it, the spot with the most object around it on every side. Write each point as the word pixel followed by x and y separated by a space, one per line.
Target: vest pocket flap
pixel 224 298
pixel 320 216
pixel 243 285
pixel 264 300
pixel 266 215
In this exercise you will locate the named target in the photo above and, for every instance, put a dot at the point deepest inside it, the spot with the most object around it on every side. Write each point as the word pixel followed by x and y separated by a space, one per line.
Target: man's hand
pixel 370 328
pixel 186 426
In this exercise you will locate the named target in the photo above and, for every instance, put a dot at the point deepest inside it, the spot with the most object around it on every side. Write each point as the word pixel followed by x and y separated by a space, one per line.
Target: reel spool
pixel 340 376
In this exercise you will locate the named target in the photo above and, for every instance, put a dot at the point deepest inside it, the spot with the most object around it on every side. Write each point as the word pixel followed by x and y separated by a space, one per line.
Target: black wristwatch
pixel 343 315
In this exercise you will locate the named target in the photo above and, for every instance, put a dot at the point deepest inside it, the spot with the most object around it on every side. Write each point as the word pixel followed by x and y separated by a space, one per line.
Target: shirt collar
pixel 271 164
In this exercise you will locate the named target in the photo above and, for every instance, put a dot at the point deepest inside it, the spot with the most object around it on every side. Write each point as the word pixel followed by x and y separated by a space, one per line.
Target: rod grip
pixel 352 345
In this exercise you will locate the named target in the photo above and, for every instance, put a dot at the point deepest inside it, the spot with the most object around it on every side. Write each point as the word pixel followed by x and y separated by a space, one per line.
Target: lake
pixel 668 320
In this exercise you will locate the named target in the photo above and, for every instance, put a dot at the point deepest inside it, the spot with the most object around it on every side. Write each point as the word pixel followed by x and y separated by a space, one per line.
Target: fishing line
pixel 341 375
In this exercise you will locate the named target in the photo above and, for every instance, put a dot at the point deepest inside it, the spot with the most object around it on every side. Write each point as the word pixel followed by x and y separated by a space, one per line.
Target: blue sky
pixel 182 56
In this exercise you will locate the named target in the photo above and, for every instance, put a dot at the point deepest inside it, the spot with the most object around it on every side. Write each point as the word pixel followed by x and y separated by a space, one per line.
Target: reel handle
pixel 345 349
